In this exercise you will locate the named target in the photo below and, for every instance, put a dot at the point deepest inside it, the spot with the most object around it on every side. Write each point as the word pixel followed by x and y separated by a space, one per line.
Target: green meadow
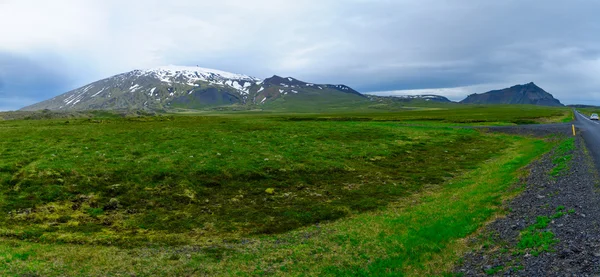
pixel 256 193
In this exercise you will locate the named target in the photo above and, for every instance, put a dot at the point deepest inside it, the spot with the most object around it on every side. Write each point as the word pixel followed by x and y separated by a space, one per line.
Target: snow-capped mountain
pixel 178 86
pixel 410 98
pixel 426 97
pixel 289 88
pixel 191 75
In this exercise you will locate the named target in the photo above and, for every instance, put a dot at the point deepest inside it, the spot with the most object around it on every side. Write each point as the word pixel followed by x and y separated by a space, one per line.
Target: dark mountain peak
pixel 275 78
pixel 286 83
pixel 530 85
pixel 281 81
pixel 528 93
pixel 344 88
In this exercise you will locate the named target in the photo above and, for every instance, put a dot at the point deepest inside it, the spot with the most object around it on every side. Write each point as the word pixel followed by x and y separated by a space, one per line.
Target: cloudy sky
pixel 449 47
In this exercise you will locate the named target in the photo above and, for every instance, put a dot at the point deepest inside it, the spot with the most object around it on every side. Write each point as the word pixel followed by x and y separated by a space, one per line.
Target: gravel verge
pixel 577 251
pixel 536 130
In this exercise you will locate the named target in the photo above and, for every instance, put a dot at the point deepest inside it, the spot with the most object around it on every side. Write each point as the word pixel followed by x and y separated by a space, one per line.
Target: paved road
pixel 590 130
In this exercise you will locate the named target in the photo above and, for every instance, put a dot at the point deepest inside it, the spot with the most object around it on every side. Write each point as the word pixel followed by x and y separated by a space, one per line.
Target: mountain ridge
pixel 168 87
pixel 425 97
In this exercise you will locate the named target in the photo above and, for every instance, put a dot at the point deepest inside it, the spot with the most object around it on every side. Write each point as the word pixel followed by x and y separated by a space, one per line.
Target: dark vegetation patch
pixel 215 175
pixel 209 182
pixel 461 114
pixel 97 114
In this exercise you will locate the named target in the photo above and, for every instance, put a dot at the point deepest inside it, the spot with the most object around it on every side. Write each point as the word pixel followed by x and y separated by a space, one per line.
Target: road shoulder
pixel 551 228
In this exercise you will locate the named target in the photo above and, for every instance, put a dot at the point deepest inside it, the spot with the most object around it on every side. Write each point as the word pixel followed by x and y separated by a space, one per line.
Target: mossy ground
pixel 207 176
pixel 250 195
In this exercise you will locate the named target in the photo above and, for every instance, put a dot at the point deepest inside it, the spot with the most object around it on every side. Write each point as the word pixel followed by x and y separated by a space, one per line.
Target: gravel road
pixel 577 251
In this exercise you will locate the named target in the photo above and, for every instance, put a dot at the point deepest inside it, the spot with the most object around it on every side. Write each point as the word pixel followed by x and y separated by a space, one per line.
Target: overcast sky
pixel 449 47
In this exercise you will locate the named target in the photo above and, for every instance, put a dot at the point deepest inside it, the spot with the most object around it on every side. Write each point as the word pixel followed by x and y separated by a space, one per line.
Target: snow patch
pixel 74 98
pixel 237 86
pixel 190 75
pixel 96 94
pixel 87 88
pixel 134 88
pixel 200 71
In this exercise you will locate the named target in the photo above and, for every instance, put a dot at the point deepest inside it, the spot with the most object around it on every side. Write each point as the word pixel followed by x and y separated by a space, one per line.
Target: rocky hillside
pixel 186 87
pixel 519 94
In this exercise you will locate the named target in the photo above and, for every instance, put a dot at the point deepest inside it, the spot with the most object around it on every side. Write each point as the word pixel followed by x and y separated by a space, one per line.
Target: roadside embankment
pixel 551 228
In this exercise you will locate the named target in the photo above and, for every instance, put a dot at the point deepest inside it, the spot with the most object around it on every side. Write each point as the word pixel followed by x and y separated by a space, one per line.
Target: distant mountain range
pixel 177 87
pixel 520 94
pixel 582 106
pixel 424 97
pixel 170 87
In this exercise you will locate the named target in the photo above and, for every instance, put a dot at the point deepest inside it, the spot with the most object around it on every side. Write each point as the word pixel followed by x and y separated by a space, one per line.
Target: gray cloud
pixel 375 45
pixel 9 103
pixel 25 80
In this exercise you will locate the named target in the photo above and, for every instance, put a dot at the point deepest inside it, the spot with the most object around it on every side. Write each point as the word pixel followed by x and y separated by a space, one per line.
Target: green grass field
pixel 340 194
pixel 589 111
pixel 451 114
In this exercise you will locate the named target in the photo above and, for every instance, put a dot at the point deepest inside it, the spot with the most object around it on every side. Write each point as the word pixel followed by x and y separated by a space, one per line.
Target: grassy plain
pixel 589 111
pixel 254 194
